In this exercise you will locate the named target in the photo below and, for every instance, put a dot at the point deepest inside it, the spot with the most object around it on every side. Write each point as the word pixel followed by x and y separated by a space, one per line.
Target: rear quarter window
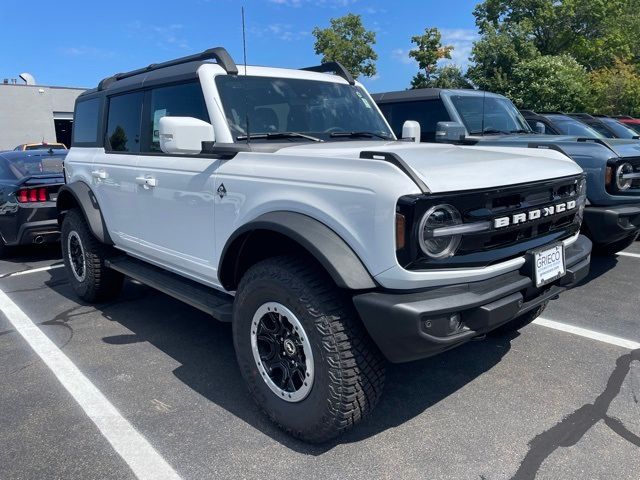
pixel 426 112
pixel 85 122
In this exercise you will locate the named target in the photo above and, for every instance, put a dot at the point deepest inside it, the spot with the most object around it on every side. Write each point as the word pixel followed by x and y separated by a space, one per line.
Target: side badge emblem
pixel 221 190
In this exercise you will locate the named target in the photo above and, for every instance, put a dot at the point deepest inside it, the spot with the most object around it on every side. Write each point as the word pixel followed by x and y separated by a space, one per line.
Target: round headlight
pixel 621 182
pixel 433 242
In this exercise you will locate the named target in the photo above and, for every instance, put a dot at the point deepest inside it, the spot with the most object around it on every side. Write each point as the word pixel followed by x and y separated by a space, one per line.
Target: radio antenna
pixel 244 53
pixel 484 97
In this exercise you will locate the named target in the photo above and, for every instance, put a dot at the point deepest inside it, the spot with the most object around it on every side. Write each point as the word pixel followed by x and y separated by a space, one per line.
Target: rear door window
pixel 123 125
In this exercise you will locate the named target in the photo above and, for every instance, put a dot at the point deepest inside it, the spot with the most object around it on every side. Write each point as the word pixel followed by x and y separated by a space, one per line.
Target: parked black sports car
pixel 29 184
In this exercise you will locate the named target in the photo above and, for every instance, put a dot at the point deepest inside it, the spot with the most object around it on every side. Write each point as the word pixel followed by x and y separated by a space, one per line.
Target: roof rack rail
pixel 332 67
pixel 219 54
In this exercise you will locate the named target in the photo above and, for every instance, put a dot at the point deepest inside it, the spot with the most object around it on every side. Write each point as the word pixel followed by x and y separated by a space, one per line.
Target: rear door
pixel 176 206
pixel 114 174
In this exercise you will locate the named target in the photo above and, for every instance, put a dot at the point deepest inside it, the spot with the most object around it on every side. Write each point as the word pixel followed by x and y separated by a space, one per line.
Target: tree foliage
pixel 537 50
pixel 615 90
pixel 347 41
pixel 428 51
pixel 549 83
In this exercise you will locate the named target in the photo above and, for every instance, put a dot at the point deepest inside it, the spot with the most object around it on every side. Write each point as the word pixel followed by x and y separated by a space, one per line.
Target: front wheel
pixel 84 257
pixel 308 362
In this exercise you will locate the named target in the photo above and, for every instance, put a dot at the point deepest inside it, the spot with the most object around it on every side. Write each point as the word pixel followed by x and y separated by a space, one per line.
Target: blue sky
pixel 76 43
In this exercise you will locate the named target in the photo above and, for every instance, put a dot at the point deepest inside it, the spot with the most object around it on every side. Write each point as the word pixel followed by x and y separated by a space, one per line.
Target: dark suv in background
pixel 471 117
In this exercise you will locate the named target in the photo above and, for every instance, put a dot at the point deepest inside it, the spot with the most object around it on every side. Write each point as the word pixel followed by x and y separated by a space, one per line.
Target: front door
pixel 175 199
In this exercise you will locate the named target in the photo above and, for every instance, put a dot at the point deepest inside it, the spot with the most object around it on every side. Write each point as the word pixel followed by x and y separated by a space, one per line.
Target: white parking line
pixel 629 254
pixel 584 332
pixel 34 270
pixel 134 449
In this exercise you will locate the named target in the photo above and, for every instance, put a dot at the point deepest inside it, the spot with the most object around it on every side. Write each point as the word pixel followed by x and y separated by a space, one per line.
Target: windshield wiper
pixel 274 135
pixel 489 131
pixel 359 134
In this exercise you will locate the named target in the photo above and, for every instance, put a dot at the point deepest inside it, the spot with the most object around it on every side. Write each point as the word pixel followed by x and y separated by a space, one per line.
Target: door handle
pixel 101 174
pixel 146 181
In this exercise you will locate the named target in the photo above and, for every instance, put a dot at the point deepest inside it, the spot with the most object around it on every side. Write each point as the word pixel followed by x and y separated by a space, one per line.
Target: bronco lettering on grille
pixel 528 216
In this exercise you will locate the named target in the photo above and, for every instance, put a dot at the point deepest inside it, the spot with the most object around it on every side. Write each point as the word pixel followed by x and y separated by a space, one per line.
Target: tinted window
pixel 426 112
pixel 489 115
pixel 184 100
pixel 123 126
pixel 601 129
pixel 569 126
pixel 312 107
pixel 85 124
pixel 620 130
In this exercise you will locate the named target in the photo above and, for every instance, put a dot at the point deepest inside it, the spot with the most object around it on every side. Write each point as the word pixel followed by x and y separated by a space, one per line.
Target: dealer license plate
pixel 548 264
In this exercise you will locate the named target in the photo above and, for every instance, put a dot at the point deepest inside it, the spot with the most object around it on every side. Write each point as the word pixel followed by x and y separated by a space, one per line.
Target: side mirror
pixel 449 132
pixel 540 128
pixel 411 131
pixel 184 135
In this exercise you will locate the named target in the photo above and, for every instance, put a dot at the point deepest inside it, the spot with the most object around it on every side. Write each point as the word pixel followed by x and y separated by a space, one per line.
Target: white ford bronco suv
pixel 281 201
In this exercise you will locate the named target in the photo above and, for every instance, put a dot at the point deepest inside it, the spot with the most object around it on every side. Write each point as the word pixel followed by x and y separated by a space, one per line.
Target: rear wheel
pixel 520 322
pixel 307 360
pixel 613 248
pixel 84 256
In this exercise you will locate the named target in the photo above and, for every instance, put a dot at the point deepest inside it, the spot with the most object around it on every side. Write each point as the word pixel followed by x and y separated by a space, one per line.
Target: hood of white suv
pixel 447 168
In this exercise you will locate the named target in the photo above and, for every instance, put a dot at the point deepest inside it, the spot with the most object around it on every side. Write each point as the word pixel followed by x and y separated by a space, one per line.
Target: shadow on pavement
pixel 204 348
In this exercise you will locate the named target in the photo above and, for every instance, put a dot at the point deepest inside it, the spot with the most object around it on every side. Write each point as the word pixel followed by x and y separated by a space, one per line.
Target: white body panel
pixel 183 225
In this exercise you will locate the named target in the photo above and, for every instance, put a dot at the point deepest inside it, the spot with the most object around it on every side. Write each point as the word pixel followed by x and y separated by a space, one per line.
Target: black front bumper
pixel 606 225
pixel 410 326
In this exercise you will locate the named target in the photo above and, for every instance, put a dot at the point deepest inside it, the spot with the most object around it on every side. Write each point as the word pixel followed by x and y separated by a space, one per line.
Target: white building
pixel 32 113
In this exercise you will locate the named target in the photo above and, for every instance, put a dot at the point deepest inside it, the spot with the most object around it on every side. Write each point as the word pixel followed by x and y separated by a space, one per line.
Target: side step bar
pixel 217 304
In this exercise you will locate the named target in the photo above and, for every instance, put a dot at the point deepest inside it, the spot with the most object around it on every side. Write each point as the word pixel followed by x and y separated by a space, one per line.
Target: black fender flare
pixel 79 194
pixel 326 246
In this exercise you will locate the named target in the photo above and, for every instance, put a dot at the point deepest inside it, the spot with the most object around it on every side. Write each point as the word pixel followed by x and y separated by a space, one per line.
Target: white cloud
pixel 402 55
pixel 84 51
pixel 314 3
pixel 281 31
pixel 166 36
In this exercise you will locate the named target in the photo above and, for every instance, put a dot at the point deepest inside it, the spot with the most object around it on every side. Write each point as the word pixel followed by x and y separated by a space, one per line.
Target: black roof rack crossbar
pixel 332 67
pixel 219 54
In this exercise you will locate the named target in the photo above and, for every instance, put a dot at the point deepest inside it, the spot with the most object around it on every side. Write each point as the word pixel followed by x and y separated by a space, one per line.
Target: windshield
pixel 633 126
pixel 314 108
pixel 500 115
pixel 569 126
pixel 620 130
pixel 17 167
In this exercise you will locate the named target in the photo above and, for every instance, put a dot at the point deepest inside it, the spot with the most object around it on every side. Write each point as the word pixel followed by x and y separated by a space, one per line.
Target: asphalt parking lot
pixel 545 403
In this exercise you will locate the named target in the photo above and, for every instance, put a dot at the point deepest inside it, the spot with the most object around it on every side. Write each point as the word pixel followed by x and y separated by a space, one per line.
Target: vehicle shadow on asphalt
pixel 599 266
pixel 204 348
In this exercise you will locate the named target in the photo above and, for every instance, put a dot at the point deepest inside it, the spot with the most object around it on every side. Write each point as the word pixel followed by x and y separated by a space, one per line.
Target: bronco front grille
pixel 497 244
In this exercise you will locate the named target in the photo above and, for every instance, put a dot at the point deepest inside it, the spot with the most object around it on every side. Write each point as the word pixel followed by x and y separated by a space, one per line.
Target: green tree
pixel 497 53
pixel 450 76
pixel 428 51
pixel 594 32
pixel 550 82
pixel 347 41
pixel 615 90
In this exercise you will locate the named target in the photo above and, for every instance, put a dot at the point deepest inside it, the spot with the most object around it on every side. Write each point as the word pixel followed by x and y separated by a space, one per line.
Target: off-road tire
pixel 613 248
pixel 520 322
pixel 348 368
pixel 100 283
